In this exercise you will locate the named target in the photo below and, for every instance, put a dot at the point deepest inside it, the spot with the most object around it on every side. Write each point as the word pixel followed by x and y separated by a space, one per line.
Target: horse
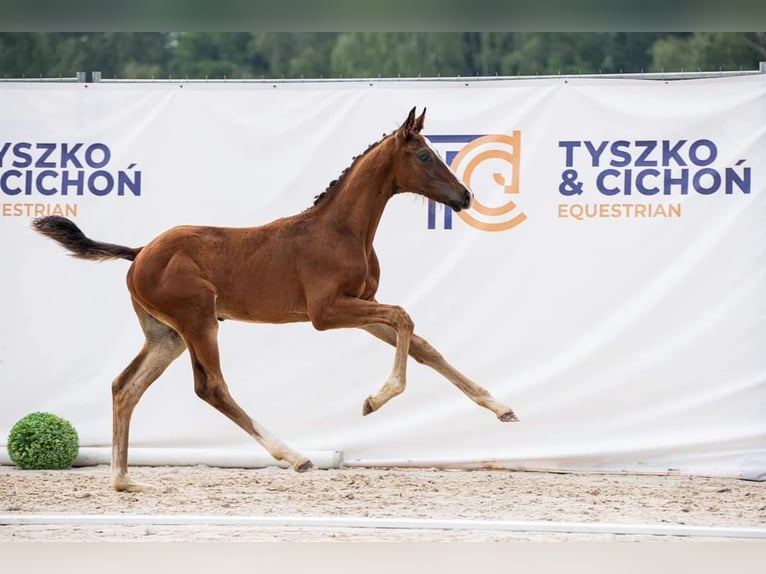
pixel 318 265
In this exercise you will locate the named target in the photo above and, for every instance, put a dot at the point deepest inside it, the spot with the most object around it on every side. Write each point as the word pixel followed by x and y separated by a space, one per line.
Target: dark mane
pixel 335 183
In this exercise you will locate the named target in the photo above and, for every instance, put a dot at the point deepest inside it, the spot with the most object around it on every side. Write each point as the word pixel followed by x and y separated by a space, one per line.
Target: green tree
pixel 406 54
pixel 576 53
pixel 709 51
pixel 210 55
pixel 371 54
pixel 24 54
pixel 66 53
pixel 293 55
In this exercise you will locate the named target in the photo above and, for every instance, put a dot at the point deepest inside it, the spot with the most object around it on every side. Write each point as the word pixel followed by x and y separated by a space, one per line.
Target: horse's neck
pixel 359 202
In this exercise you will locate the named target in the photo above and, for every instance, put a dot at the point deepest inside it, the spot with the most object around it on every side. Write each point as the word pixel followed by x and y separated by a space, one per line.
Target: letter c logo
pixel 489 166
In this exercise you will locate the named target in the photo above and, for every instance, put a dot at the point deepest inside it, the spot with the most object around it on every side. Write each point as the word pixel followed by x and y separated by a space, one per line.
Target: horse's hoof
pixel 126 484
pixel 508 417
pixel 367 407
pixel 304 466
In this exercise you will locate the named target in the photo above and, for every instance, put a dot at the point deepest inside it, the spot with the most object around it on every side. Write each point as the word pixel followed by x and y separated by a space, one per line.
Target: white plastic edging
pixel 215 457
pixel 384 523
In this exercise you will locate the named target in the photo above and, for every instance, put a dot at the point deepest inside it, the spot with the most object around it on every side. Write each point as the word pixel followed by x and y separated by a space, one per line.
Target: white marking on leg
pixel 279 449
pixel 393 386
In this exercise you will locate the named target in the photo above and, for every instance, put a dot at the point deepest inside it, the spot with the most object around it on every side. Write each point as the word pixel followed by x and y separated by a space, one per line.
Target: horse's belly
pixel 261 311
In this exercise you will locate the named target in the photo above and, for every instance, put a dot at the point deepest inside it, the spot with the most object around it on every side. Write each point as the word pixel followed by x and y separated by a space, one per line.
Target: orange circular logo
pixel 489 166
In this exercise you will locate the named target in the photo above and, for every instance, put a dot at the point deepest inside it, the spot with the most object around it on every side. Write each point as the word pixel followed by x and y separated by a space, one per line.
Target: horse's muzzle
pixel 464 202
pixel 468 198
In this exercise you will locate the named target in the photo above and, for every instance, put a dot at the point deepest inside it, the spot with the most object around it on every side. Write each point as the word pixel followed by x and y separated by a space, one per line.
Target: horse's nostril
pixel 467 198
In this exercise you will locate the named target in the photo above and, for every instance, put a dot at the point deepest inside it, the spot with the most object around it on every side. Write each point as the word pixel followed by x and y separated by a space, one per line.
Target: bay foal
pixel 317 266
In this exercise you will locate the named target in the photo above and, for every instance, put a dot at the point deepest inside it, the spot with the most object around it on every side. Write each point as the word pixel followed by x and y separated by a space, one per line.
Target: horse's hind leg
pixel 423 352
pixel 200 332
pixel 161 346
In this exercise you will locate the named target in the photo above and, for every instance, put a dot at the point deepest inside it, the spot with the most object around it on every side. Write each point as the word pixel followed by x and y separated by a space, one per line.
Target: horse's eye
pixel 424 156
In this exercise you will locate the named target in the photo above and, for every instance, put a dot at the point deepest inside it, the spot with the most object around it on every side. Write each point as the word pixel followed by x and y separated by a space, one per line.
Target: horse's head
pixel 418 169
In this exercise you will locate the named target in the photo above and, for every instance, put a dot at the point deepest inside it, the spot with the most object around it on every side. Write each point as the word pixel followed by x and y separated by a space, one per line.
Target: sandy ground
pixel 356 492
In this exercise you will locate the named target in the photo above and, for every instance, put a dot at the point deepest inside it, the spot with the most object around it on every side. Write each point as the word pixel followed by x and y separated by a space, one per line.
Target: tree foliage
pixel 709 51
pixel 371 54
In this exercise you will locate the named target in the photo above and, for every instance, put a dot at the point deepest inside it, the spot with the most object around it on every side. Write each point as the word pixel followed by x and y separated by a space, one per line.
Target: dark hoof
pixel 367 407
pixel 508 417
pixel 304 466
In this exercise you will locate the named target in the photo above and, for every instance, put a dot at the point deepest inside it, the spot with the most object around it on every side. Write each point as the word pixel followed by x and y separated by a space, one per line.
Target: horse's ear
pixel 419 122
pixel 406 129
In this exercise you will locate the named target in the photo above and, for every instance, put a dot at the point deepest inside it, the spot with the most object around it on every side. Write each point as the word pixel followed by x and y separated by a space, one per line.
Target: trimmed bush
pixel 43 441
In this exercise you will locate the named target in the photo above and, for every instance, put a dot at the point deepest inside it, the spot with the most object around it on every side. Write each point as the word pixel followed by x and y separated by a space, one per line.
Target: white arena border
pixel 220 457
pixel 382 523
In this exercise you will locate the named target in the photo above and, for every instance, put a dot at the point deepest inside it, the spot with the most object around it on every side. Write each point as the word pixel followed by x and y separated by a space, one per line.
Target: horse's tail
pixel 69 235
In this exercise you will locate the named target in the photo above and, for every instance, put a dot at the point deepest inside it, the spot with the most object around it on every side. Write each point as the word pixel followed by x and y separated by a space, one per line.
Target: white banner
pixel 608 283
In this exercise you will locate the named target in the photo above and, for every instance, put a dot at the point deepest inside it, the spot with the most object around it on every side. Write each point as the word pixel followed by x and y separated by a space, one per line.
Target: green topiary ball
pixel 43 441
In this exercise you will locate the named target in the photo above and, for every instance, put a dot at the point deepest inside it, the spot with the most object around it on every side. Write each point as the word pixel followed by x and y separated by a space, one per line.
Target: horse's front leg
pixel 353 312
pixel 423 352
pixel 397 380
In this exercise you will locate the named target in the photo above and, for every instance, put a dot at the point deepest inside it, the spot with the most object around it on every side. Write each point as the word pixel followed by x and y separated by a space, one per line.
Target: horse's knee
pixel 402 320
